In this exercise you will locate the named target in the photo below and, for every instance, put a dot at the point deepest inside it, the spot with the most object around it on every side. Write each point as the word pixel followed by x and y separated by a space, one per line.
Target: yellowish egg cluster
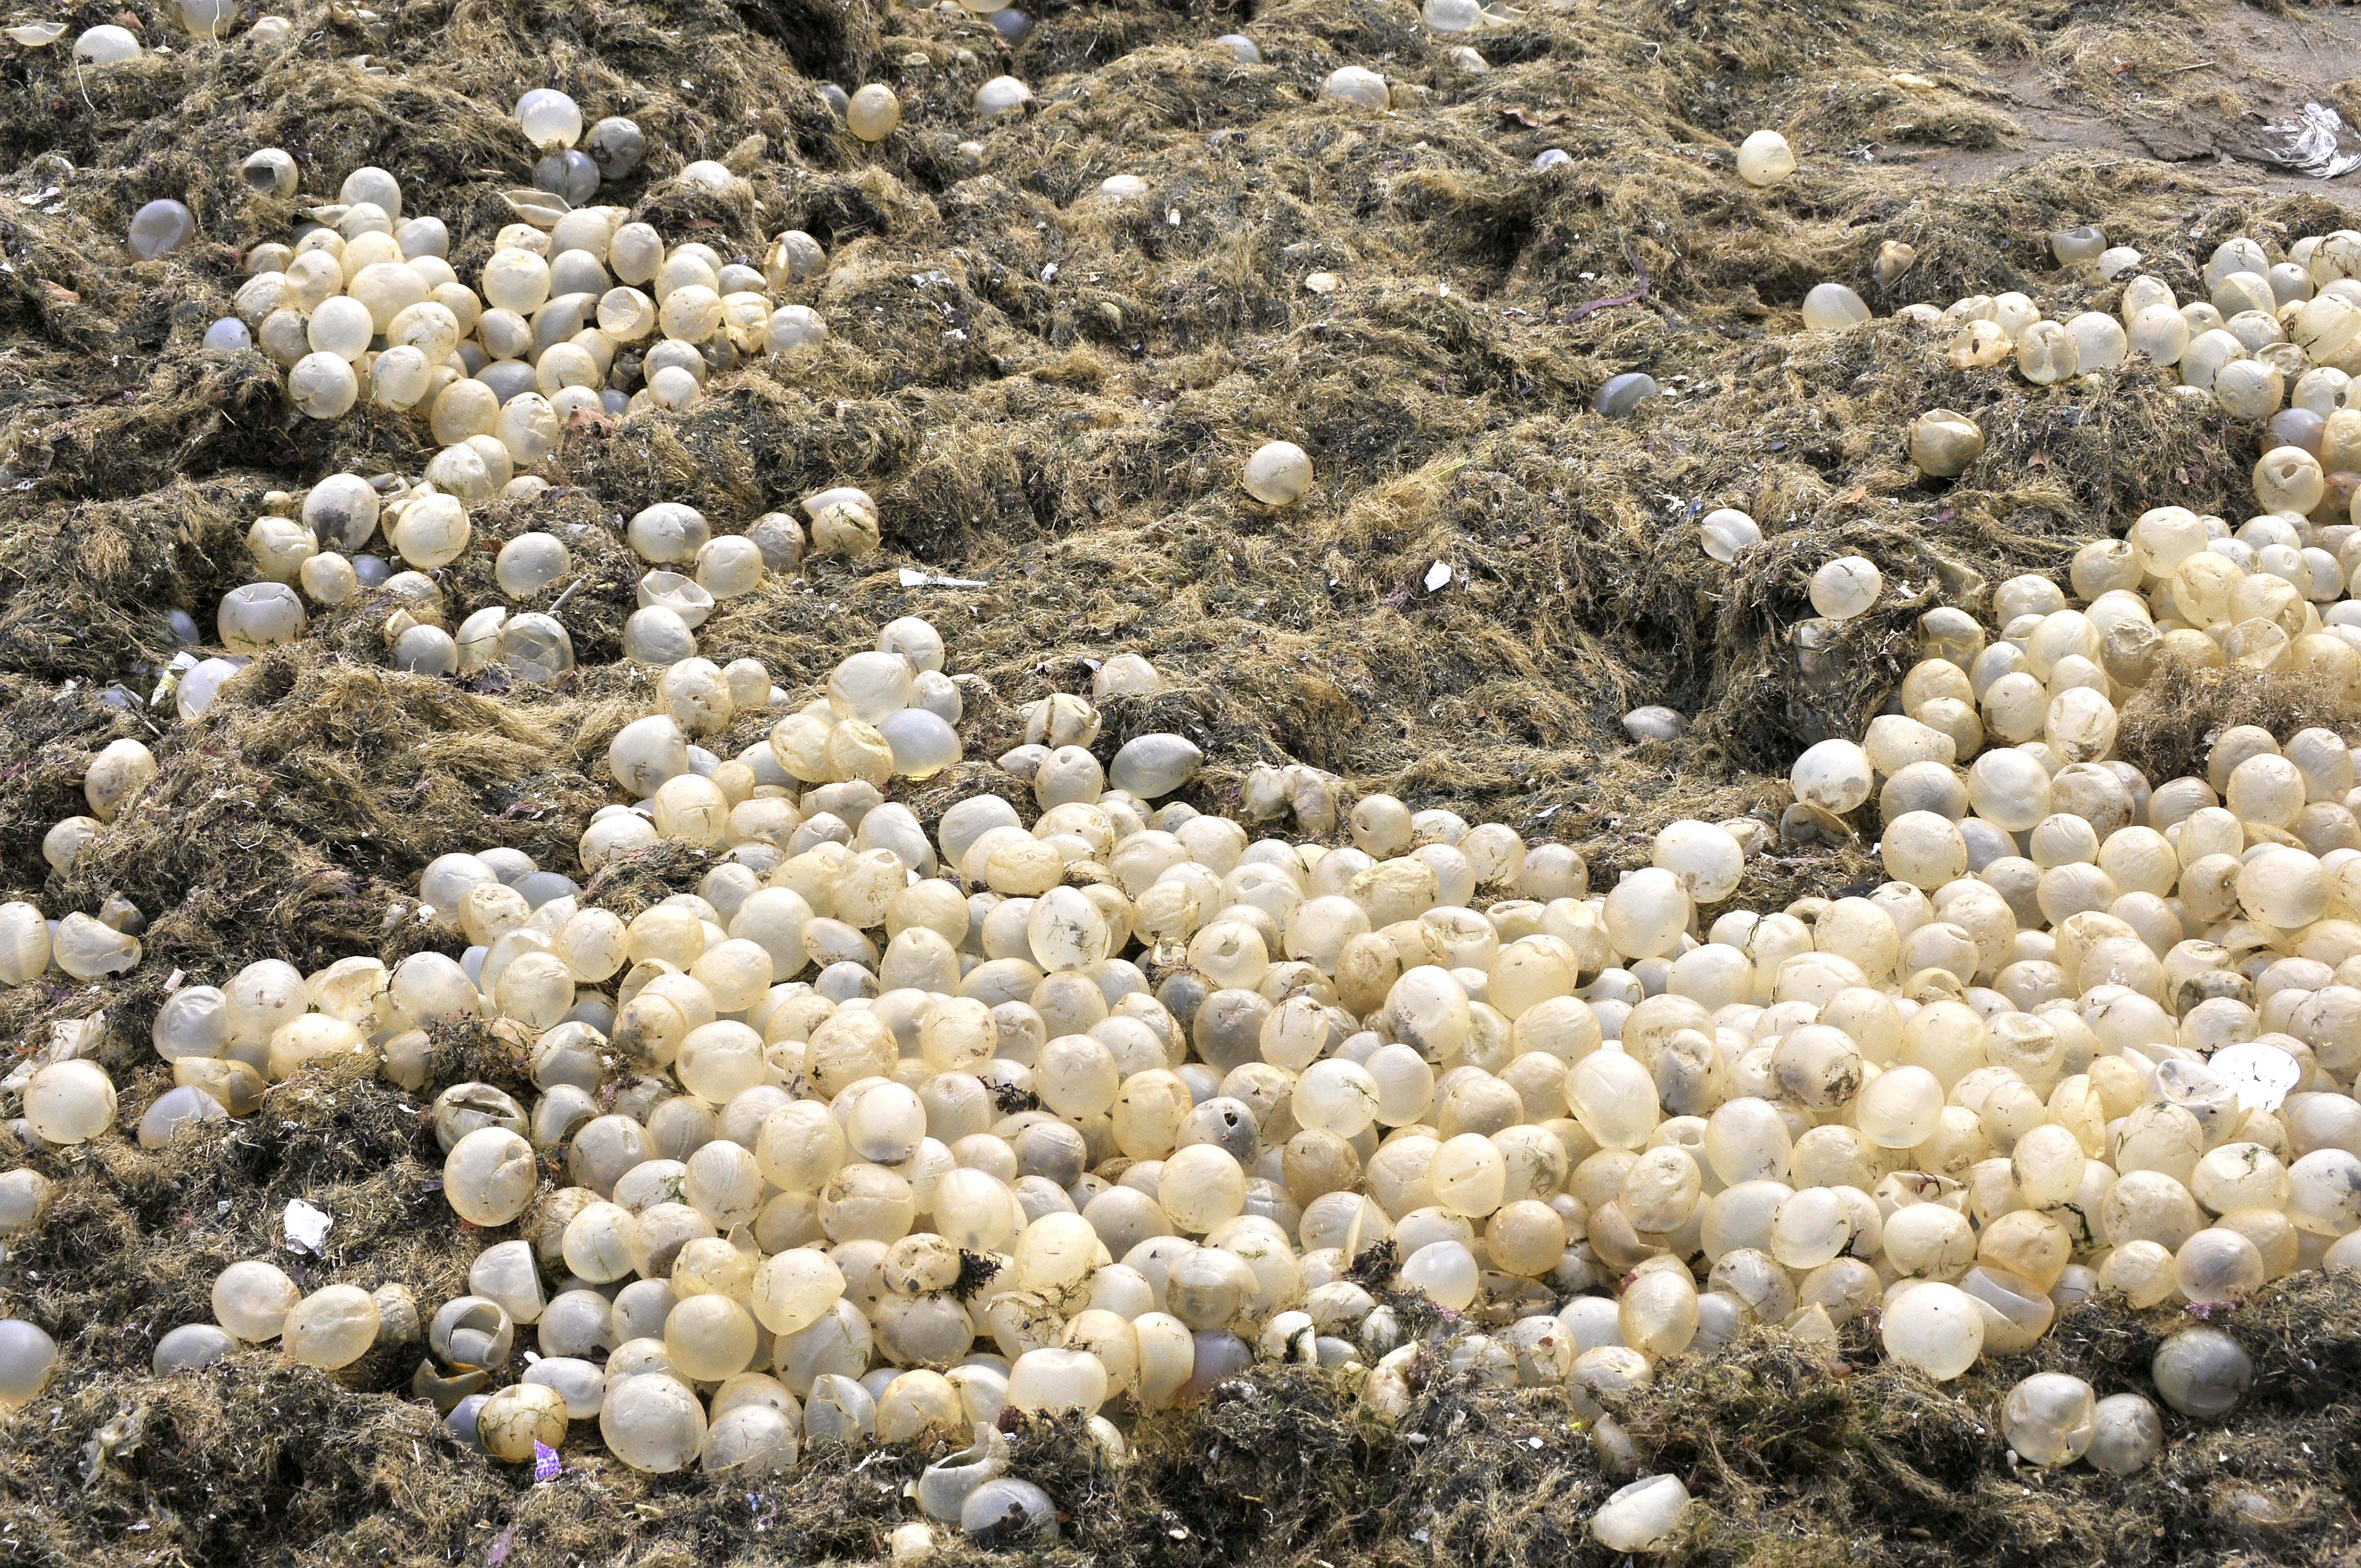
pixel 884 1131
pixel 578 312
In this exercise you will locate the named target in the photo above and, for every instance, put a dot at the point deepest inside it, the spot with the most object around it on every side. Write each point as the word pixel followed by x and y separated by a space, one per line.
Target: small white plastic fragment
pixel 305 1226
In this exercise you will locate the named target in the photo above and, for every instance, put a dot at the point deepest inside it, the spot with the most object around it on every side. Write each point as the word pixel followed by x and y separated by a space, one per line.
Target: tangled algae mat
pixel 1052 393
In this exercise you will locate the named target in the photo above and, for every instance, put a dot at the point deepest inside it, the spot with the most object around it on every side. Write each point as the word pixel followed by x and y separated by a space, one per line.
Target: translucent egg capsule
pixel 1001 96
pixel 2099 341
pixel 1846 587
pixel 2050 1418
pixel 251 1301
pixel 105 45
pixel 549 118
pixel 1647 912
pixel 489 1177
pixel 1943 442
pixel 1622 395
pixel 333 1327
pixel 25 943
pixel 1727 532
pixel 1934 1327
pixel 28 1357
pixel 2159 332
pixel 70 1102
pixel 1765 159
pixel 2048 353
pixel 653 1422
pixel 1278 474
pixel 2202 1373
pixel 159 227
pixel 873 112
pixel 2126 1435
pixel 189 1346
pixel 2207 353
pixel 2249 389
pixel 1642 1515
pixel 1832 307
pixel 2218 1266
pixel 323 386
pixel 1356 85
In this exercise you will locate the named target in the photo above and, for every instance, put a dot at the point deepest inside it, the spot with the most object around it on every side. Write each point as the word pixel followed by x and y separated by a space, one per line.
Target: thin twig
pixel 1611 300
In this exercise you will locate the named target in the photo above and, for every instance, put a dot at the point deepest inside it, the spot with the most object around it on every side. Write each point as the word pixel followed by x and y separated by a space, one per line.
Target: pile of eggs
pixel 819 778
pixel 109 43
pixel 84 947
pixel 319 550
pixel 574 307
pixel 2181 587
pixel 856 1152
pixel 2276 341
